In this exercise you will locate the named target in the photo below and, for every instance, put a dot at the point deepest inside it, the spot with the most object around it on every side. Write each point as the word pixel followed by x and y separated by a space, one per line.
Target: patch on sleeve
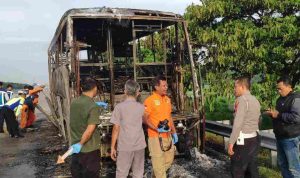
pixel 157 102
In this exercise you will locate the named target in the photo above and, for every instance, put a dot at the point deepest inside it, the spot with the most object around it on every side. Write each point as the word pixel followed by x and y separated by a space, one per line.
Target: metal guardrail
pixel 267 139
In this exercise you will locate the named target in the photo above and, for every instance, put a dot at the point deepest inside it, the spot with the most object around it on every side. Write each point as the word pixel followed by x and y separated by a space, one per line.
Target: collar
pixel 85 96
pixel 130 99
pixel 290 93
pixel 247 93
pixel 158 95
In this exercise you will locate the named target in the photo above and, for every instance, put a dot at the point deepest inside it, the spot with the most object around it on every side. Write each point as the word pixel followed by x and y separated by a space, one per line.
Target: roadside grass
pixel 264 158
pixel 265 172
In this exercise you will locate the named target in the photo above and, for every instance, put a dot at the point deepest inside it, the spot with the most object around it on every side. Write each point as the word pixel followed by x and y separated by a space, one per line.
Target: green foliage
pixel 219 98
pixel 15 85
pixel 253 37
pixel 219 109
pixel 297 88
pixel 266 91
pixel 146 54
pixel 151 52
pixel 259 38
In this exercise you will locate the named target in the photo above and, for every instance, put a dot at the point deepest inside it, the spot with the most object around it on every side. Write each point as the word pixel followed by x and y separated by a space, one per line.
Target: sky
pixel 27 27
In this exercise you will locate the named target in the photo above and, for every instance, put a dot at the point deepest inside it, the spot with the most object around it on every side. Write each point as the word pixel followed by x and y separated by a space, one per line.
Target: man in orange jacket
pixel 161 130
pixel 28 115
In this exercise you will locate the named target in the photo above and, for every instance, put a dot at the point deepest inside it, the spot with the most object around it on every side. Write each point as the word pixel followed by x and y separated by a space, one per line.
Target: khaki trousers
pixel 133 160
pixel 161 161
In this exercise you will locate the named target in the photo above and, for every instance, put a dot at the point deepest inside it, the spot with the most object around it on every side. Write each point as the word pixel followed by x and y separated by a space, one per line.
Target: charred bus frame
pixel 111 40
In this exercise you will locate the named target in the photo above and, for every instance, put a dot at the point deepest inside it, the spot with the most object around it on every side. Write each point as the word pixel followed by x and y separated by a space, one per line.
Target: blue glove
pixel 174 138
pixel 76 148
pixel 162 130
pixel 102 104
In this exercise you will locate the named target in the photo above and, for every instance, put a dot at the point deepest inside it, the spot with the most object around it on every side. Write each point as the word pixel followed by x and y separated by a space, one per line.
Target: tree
pixel 248 36
pixel 15 85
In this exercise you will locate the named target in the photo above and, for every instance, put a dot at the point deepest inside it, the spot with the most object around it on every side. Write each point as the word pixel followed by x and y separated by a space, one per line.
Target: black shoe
pixel 12 135
pixel 23 130
pixel 19 136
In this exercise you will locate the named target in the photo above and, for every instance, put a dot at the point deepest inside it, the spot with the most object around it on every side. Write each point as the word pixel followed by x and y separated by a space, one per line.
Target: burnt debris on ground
pixel 36 155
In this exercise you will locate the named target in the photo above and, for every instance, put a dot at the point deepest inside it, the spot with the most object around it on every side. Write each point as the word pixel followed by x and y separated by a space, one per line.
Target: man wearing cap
pixel 10 111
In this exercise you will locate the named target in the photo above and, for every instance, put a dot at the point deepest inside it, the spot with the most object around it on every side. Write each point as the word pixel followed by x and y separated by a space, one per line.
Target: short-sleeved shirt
pixel 246 117
pixel 129 116
pixel 158 108
pixel 84 112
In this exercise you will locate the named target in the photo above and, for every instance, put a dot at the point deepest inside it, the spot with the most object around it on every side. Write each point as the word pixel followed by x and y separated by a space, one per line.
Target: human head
pixel 89 87
pixel 284 86
pixel 1 84
pixel 160 85
pixel 241 85
pixel 9 87
pixel 22 93
pixel 30 87
pixel 132 88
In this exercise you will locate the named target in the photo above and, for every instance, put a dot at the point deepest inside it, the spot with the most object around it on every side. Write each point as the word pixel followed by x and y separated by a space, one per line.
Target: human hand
pixel 230 149
pixel 174 138
pixel 42 86
pixel 272 113
pixel 113 154
pixel 162 130
pixel 102 104
pixel 266 112
pixel 76 148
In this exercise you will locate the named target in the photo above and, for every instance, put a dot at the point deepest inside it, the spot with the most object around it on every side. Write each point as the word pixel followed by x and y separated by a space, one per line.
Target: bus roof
pixel 114 13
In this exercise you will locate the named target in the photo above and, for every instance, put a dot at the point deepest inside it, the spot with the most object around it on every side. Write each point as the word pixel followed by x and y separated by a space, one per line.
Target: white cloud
pixel 27 22
pixel 11 16
pixel 15 39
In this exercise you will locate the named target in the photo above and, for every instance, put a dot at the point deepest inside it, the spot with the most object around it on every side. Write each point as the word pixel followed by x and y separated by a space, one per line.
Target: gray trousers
pixel 130 159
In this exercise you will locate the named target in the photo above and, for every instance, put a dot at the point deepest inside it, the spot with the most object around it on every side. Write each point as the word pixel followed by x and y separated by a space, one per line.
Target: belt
pixel 250 135
pixel 162 145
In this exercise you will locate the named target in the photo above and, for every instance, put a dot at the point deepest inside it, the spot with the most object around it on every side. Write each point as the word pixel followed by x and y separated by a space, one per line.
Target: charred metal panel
pixel 113 45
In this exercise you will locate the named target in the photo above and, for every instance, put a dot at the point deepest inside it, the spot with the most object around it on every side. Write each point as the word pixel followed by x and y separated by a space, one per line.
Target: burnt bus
pixel 113 45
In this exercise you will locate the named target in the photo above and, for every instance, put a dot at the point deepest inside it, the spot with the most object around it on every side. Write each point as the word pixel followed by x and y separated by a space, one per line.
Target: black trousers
pixel 11 121
pixel 244 160
pixel 1 121
pixel 86 165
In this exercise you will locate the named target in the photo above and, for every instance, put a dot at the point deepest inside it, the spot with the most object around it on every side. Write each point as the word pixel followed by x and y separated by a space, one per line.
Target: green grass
pixel 264 160
pixel 265 172
pixel 217 139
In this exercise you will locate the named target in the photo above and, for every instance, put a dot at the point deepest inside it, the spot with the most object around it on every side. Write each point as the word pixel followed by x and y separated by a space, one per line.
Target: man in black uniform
pixel 286 126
